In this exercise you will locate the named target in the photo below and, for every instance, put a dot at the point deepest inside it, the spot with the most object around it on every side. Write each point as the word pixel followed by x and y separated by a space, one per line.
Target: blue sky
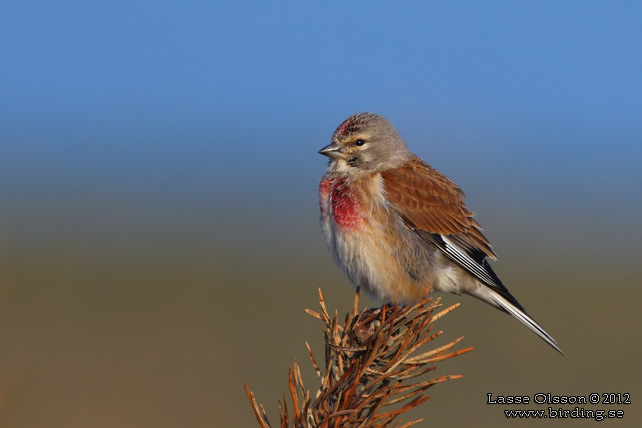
pixel 186 94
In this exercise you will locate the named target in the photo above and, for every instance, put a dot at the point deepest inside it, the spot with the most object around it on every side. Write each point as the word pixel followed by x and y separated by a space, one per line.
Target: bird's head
pixel 365 142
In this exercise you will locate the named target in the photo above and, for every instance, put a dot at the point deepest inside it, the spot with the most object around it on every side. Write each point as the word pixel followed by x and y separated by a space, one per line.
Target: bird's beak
pixel 332 150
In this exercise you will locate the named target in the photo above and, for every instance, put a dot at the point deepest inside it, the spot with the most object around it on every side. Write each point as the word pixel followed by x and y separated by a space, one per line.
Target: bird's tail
pixel 502 303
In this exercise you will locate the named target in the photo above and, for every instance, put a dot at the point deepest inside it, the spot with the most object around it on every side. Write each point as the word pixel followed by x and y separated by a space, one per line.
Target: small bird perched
pixel 399 228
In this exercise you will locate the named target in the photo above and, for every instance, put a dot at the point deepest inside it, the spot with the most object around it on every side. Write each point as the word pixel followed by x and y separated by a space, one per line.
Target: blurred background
pixel 159 235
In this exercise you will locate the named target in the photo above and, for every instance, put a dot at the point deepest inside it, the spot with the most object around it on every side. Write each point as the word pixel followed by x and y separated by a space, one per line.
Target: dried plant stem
pixel 372 371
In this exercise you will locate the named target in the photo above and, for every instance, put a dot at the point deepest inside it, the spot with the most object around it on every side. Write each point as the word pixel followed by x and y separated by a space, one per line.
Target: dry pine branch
pixel 373 371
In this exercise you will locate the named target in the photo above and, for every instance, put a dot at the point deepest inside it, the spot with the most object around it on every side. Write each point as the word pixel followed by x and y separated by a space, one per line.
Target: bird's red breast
pixel 343 204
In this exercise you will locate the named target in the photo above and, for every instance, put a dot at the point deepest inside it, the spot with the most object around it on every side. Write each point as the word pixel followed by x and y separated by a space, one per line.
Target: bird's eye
pixel 359 142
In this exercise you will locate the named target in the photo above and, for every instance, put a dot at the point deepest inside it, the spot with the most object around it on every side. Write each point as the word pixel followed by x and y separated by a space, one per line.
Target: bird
pixel 399 228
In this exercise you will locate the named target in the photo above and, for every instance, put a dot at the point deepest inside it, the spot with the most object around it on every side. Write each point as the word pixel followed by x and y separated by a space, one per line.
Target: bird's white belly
pixel 366 262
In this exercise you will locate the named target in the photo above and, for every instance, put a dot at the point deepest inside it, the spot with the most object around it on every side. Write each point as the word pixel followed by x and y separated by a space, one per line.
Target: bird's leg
pixel 369 321
pixel 426 290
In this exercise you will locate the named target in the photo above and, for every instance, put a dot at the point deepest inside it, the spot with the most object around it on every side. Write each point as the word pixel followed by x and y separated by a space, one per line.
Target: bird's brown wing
pixel 431 205
pixel 428 201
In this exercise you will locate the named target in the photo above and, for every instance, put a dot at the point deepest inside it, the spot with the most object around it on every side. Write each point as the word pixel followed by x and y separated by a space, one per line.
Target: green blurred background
pixel 159 235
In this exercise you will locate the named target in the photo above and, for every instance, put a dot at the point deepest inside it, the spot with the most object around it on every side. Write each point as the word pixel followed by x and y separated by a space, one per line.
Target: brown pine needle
pixel 433 352
pixel 315 314
pixel 314 362
pixel 444 312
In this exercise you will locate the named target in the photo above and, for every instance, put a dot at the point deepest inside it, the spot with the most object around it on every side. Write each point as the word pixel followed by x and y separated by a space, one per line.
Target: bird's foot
pixel 369 321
